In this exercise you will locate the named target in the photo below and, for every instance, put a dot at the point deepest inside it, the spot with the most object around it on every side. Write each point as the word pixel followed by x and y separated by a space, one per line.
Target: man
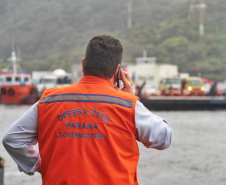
pixel 87 132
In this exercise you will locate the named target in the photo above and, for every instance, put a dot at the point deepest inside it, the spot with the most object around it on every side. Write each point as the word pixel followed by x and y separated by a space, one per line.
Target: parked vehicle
pixel 193 86
pixel 50 79
pixel 148 90
pixel 170 86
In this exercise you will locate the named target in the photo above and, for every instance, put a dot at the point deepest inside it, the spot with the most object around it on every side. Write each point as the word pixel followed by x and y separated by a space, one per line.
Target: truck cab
pixel 170 86
pixel 193 86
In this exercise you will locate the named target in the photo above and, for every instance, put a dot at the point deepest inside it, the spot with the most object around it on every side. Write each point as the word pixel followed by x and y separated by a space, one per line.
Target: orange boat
pixel 17 87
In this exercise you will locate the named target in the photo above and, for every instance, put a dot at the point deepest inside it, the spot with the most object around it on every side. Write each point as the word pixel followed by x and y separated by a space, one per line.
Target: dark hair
pixel 103 54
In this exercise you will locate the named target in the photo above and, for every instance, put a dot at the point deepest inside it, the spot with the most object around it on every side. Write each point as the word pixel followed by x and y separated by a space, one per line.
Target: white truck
pixel 153 74
pixel 49 79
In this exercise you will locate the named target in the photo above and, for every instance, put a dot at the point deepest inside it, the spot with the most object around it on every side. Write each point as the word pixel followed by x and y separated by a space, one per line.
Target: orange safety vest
pixel 86 135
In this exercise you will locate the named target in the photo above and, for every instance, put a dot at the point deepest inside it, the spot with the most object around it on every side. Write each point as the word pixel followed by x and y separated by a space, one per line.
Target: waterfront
pixel 196 156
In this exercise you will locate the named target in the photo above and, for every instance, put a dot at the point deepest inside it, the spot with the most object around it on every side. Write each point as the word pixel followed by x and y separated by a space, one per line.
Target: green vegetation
pixel 177 41
pixel 53 34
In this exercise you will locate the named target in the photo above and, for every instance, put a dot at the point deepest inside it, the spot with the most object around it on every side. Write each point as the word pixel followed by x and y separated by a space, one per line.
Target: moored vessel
pixel 16 86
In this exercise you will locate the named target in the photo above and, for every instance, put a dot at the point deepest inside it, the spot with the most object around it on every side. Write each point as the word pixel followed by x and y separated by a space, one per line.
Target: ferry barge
pixel 185 103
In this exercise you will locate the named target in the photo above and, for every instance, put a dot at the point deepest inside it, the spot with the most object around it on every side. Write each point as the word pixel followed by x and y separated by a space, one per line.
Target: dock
pixel 185 103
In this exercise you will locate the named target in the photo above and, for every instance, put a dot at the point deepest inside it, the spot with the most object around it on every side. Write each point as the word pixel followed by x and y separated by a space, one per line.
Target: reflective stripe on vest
pixel 97 98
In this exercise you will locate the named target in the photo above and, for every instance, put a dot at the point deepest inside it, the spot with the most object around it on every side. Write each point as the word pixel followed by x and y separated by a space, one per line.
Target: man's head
pixel 103 54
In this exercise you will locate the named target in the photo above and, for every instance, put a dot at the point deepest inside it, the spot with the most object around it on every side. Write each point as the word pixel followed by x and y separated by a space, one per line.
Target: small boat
pixel 16 86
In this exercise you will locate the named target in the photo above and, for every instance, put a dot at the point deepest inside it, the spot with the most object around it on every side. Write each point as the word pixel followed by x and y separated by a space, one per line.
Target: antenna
pixel 202 6
pixel 191 8
pixel 129 16
pixel 18 54
pixel 13 46
pixel 13 59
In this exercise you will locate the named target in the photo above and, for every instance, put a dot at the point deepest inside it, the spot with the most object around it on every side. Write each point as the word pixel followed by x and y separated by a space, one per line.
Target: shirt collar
pixel 88 79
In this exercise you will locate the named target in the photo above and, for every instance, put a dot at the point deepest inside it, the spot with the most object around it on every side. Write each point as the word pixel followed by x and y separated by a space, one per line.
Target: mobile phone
pixel 118 76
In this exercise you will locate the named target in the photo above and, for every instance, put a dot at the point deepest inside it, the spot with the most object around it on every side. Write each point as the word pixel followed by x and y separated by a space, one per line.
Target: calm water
pixel 197 155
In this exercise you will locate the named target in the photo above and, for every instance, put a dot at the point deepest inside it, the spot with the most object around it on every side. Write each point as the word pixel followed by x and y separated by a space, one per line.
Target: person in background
pixel 87 132
pixel 140 89
pixel 213 89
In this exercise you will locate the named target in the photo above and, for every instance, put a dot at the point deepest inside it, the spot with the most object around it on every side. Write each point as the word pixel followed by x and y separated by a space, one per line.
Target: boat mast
pixel 13 59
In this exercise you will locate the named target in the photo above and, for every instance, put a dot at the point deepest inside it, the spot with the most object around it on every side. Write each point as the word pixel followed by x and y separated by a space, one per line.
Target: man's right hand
pixel 126 80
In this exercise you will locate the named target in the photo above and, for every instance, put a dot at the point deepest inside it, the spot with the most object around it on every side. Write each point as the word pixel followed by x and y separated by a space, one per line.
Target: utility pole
pixel 191 8
pixel 129 15
pixel 202 7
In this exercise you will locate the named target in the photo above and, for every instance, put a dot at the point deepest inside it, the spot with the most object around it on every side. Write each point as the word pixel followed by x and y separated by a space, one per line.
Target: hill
pixel 54 33
pixel 42 27
pixel 177 40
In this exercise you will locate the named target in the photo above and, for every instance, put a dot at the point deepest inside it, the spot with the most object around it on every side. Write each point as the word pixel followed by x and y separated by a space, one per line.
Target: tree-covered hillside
pixel 177 40
pixel 54 33
pixel 44 27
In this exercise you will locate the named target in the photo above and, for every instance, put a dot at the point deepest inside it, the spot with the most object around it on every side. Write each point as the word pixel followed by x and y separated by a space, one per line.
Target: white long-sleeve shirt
pixel 20 138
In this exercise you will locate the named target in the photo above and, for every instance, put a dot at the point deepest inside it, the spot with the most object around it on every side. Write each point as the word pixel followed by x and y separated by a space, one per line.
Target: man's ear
pixel 83 60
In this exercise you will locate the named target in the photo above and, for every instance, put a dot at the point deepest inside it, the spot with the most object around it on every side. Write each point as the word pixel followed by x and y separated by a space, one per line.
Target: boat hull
pixel 185 103
pixel 18 94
